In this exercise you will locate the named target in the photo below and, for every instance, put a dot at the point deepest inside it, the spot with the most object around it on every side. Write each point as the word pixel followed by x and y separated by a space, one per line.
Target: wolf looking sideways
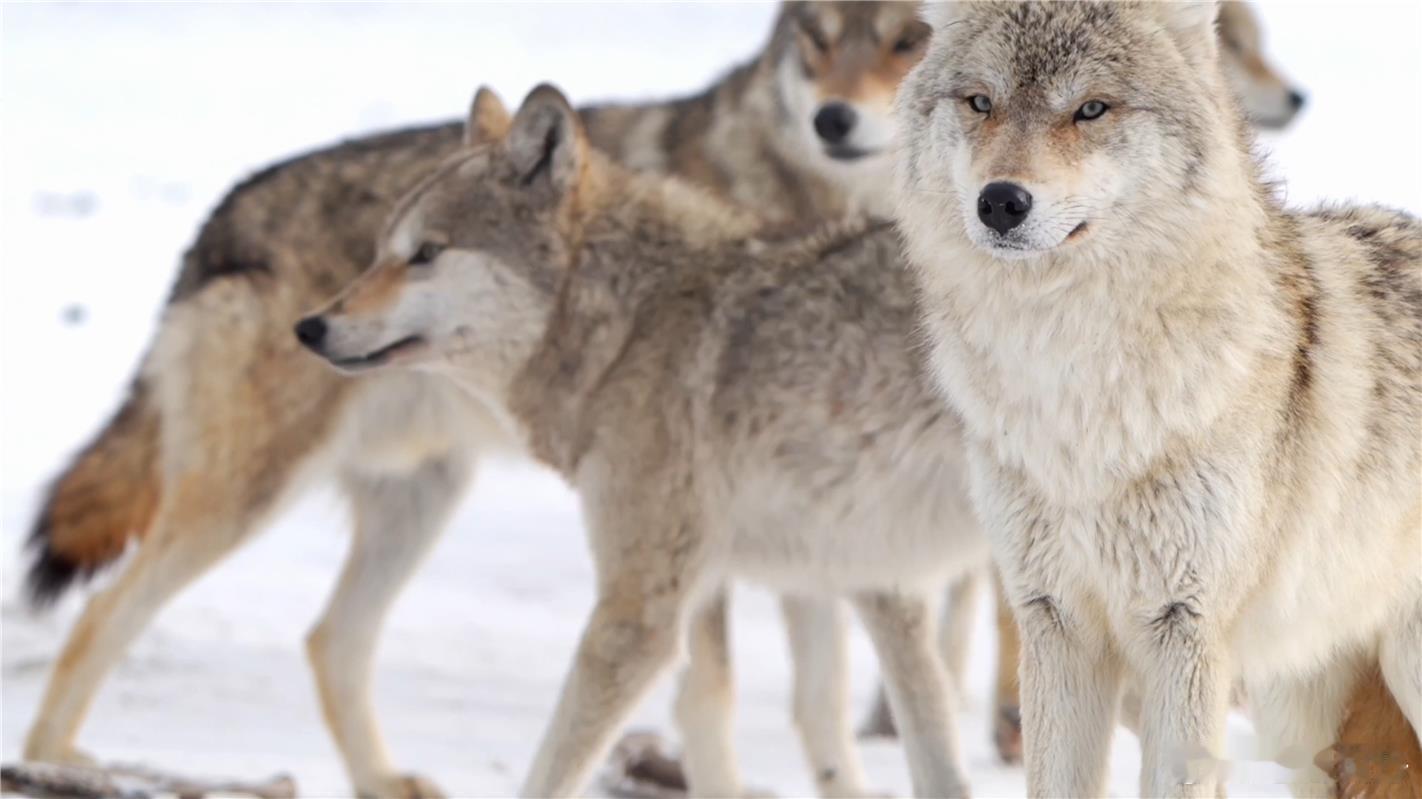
pixel 1193 416
pixel 725 406
pixel 227 419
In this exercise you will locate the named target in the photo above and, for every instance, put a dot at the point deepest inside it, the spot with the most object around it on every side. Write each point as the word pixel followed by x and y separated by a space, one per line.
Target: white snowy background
pixel 122 125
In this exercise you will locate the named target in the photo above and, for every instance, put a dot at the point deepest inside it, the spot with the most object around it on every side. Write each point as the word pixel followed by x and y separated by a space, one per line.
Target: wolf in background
pixel 227 421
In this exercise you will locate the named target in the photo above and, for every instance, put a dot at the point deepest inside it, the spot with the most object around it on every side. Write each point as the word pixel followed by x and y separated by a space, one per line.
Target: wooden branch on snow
pixel 120 781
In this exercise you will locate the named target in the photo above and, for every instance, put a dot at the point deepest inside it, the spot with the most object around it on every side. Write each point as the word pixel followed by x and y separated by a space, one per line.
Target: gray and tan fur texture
pixel 725 407
pixel 1194 418
pixel 752 137
pixel 227 420
pixel 270 425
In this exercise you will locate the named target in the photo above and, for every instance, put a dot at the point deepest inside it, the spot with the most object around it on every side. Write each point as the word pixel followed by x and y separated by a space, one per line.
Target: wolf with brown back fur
pixel 227 420
pixel 752 138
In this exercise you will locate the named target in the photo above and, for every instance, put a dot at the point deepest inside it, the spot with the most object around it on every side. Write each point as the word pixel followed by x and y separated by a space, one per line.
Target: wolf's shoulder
pixel 1391 235
pixel 367 160
pixel 1390 240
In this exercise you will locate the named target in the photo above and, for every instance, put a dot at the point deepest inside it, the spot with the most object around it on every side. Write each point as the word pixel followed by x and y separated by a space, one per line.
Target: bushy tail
pixel 108 494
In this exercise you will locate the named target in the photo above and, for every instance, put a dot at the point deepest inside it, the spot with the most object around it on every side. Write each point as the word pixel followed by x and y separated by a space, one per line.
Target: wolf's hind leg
pixel 1007 699
pixel 704 704
pixel 398 518
pixel 955 628
pixel 902 629
pixel 955 635
pixel 199 521
pixel 819 650
pixel 1297 718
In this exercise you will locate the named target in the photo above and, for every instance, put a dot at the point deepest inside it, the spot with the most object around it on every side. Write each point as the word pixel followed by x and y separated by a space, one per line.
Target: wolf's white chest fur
pixel 1110 438
pixel 1080 388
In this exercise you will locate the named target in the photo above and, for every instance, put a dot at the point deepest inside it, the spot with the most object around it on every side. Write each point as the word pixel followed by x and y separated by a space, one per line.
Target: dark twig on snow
pixel 638 768
pixel 120 781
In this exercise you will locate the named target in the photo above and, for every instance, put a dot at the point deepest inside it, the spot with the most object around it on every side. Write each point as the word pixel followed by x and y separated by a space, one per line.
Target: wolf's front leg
pixel 920 694
pixel 1070 689
pixel 1185 682
pixel 626 644
pixel 650 557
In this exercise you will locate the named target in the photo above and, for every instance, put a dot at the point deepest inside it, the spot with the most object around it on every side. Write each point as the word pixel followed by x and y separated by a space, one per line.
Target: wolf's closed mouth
pixel 847 153
pixel 380 355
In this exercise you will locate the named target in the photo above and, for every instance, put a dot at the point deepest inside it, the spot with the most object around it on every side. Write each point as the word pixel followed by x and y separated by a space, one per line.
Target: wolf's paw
pixel 59 755
pixel 405 786
pixel 1007 733
pixel 830 786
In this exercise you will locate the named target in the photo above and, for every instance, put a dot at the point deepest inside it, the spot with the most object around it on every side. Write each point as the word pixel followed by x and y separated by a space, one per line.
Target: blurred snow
pixel 122 125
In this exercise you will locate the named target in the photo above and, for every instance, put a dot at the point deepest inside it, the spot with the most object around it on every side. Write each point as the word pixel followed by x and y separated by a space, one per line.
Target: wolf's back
pixel 295 233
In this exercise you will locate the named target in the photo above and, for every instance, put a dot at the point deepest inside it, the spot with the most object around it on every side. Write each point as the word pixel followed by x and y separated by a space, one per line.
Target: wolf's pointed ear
pixel 547 143
pixel 488 119
pixel 1192 26
pixel 940 15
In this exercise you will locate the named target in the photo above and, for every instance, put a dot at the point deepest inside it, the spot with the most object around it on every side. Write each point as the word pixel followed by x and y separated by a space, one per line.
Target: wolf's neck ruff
pixel 1082 363
pixel 638 235
pixel 1082 370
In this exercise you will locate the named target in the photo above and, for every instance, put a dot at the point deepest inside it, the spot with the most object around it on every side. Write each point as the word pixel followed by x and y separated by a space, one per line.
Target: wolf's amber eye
pixel 426 253
pixel 1091 109
pixel 980 103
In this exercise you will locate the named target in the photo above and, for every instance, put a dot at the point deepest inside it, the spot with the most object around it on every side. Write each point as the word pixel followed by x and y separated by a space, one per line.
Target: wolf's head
pixel 1037 128
pixel 839 66
pixel 1269 100
pixel 469 263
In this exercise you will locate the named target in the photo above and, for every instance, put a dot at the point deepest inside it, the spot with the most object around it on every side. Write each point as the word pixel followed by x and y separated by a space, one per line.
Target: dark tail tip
pixel 50 573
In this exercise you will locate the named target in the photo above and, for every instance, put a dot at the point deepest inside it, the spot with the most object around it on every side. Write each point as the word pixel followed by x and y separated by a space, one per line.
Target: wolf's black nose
pixel 1297 100
pixel 834 121
pixel 310 331
pixel 1002 206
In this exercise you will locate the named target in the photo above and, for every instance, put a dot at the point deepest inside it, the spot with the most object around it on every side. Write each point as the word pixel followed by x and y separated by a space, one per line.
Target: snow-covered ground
pixel 120 126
